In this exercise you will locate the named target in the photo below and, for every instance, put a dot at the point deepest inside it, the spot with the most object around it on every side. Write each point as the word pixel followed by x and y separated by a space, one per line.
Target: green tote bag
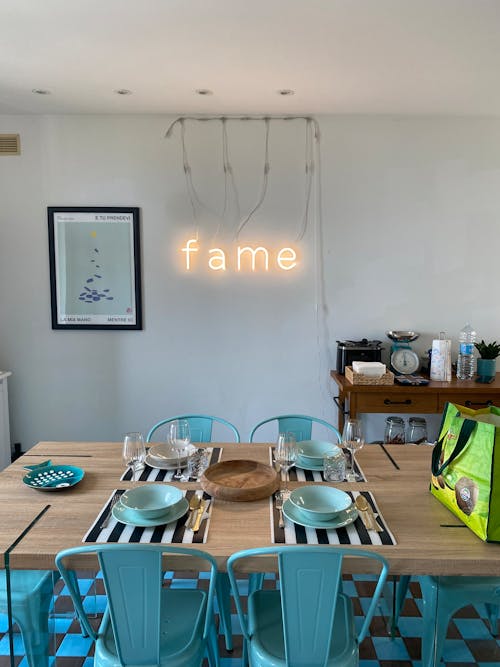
pixel 466 468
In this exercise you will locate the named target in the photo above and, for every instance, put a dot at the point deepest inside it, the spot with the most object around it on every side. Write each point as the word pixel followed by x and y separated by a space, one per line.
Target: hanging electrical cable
pixel 325 356
pixel 265 181
pixel 309 169
pixel 311 137
pixel 228 180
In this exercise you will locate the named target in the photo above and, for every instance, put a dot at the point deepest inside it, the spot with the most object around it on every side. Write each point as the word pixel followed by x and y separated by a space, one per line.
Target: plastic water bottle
pixel 465 363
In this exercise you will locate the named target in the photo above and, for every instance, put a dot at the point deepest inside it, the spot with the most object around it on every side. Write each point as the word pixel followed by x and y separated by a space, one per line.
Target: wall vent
pixel 10 144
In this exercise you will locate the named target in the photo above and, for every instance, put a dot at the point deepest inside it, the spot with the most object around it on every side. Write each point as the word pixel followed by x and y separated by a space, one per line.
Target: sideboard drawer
pixel 394 402
pixel 469 400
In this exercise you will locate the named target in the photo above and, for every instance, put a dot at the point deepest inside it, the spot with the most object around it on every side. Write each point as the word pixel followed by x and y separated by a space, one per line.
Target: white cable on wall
pixel 265 182
pixel 311 132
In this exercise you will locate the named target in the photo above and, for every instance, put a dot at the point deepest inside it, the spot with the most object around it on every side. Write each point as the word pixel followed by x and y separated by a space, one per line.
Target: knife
pixel 199 516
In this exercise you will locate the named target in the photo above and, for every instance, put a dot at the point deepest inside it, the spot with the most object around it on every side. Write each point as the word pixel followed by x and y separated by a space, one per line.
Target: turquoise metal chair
pixel 299 425
pixel 442 597
pixel 200 427
pixel 309 622
pixel 145 623
pixel 31 597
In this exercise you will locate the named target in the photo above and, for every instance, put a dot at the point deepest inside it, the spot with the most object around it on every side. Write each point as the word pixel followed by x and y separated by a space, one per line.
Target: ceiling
pixel 339 56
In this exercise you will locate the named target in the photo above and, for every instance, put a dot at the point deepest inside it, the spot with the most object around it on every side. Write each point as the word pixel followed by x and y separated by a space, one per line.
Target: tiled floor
pixel 468 644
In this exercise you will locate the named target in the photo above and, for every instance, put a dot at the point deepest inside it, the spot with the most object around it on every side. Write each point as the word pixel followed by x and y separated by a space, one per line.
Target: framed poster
pixel 95 271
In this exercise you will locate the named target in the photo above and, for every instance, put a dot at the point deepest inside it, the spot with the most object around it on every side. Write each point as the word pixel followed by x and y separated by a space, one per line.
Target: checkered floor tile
pixel 468 643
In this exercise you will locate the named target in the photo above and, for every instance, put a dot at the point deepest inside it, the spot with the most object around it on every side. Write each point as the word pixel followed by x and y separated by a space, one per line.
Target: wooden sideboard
pixel 353 399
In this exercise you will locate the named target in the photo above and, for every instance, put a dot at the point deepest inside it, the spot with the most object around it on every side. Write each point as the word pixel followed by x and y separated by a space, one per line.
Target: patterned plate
pixel 48 477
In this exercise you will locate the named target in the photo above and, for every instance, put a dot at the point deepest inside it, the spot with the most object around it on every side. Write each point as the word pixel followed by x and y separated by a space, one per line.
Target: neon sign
pixel 258 258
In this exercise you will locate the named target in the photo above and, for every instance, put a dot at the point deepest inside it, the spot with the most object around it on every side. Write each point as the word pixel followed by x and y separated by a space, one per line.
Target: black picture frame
pixel 95 267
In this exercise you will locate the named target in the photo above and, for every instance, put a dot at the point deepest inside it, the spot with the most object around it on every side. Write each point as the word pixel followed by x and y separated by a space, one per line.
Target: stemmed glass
pixel 285 457
pixel 179 438
pixel 353 440
pixel 134 452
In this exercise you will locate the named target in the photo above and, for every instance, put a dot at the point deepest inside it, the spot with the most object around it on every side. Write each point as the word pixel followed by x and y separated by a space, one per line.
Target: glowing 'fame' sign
pixel 257 259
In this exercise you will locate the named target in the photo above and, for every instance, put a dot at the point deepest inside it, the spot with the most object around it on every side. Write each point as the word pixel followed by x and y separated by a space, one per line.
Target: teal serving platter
pixel 47 477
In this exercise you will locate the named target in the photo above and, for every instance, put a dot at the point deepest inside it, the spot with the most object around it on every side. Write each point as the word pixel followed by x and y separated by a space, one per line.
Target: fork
pixel 107 518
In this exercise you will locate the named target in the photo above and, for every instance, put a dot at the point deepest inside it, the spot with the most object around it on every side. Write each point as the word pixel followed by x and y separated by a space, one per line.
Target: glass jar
pixel 334 467
pixel 417 430
pixel 394 431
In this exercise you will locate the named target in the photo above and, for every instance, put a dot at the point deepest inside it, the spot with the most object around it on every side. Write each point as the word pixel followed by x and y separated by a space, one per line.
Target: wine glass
pixel 179 438
pixel 353 440
pixel 134 452
pixel 285 456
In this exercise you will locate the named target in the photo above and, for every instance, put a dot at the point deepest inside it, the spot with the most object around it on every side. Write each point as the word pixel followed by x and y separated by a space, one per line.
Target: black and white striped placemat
pixel 150 474
pixel 171 533
pixel 297 474
pixel 354 533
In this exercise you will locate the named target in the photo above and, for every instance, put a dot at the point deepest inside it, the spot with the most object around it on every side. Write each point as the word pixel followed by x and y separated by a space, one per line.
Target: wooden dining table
pixel 37 524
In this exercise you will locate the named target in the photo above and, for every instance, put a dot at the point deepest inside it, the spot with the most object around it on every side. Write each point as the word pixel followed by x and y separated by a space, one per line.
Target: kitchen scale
pixel 404 361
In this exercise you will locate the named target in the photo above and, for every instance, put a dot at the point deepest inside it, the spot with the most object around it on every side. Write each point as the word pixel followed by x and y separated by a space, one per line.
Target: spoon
pixel 363 506
pixel 194 504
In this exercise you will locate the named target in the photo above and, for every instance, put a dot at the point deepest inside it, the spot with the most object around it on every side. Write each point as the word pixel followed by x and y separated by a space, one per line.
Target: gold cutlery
pixel 367 515
pixel 199 516
pixel 194 504
pixel 279 507
pixel 280 497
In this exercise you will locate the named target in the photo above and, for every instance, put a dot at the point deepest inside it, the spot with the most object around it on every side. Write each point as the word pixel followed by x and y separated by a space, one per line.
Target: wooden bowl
pixel 240 481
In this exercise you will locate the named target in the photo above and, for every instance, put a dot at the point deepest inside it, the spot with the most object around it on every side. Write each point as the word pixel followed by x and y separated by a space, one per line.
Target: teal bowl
pixel 321 503
pixel 151 500
pixel 313 451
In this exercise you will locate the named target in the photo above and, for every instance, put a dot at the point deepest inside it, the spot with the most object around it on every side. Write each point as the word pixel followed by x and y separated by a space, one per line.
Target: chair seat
pixel 267 646
pixel 182 619
pixel 466 586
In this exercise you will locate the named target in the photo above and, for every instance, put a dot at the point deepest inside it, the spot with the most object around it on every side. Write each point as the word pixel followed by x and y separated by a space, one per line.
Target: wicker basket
pixel 356 378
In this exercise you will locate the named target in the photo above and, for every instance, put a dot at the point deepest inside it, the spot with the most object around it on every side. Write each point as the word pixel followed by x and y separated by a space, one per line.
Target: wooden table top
pixel 426 541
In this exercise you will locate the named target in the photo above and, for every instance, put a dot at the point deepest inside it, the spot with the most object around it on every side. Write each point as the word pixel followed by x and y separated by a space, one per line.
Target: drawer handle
pixel 469 404
pixel 387 401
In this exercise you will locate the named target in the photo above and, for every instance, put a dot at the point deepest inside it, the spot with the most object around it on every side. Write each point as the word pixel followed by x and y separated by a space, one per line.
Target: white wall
pixel 410 218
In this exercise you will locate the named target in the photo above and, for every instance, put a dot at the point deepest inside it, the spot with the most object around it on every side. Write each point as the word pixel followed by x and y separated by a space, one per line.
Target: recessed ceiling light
pixel 286 91
pixel 203 91
pixel 123 91
pixel 41 91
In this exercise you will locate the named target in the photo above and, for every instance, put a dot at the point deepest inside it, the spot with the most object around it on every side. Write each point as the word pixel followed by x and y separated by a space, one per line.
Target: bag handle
pixel 468 426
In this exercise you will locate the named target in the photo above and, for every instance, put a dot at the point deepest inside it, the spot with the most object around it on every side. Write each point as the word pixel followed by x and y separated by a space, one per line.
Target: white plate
pixel 158 452
pixel 164 465
pixel 128 516
pixel 342 519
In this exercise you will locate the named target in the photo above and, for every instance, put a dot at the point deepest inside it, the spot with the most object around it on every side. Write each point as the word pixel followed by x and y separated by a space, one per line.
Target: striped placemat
pixel 150 474
pixel 297 474
pixel 171 533
pixel 354 533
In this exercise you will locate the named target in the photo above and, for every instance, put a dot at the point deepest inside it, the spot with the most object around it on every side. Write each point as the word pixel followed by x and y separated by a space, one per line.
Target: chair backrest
pixel 132 577
pixel 310 582
pixel 299 425
pixel 200 427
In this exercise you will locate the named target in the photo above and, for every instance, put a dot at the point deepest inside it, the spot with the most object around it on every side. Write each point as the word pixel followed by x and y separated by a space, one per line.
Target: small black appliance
pixel 357 350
